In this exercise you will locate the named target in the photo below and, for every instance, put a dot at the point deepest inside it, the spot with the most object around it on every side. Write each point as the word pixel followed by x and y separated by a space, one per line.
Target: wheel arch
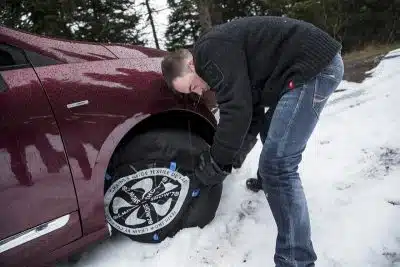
pixel 140 123
pixel 173 119
pixel 176 118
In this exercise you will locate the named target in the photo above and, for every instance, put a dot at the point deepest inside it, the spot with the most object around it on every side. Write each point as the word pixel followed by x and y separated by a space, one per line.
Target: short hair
pixel 172 65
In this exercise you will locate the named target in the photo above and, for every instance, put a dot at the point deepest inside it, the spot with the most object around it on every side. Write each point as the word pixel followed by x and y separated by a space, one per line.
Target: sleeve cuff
pixel 222 156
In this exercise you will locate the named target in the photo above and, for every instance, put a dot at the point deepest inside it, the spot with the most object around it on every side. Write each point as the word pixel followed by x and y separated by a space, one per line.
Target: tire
pixel 152 192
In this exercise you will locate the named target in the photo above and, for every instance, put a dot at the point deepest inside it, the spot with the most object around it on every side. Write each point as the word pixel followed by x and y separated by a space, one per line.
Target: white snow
pixel 350 172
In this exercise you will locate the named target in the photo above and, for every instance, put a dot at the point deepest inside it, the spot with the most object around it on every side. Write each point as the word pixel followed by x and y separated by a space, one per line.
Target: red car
pixel 91 142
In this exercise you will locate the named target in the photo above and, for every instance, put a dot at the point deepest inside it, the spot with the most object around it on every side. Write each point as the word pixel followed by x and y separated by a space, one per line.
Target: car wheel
pixel 152 191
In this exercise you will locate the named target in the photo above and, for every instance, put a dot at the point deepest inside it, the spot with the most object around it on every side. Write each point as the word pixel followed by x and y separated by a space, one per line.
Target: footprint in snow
pixel 393 258
pixel 380 163
pixel 343 186
pixel 248 209
pixel 394 202
pixel 383 161
pixel 246 257
pixel 324 142
pixel 250 206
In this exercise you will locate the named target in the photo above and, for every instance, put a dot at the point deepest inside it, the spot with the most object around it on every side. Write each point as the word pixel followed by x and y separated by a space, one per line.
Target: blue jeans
pixel 288 127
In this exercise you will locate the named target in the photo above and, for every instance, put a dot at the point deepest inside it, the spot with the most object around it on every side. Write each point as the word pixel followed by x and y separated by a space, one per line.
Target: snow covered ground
pixel 351 175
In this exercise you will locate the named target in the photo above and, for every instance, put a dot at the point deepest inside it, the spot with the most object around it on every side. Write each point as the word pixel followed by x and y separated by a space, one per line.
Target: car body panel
pixel 115 92
pixel 70 249
pixel 91 96
pixel 62 50
pixel 133 51
pixel 28 253
pixel 34 170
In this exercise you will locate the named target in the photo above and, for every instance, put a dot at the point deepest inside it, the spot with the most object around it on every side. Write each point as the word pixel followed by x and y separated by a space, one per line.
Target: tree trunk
pixel 204 15
pixel 64 19
pixel 95 23
pixel 209 14
pixel 153 28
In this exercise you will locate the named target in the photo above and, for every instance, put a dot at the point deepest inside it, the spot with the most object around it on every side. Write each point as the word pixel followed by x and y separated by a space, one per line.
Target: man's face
pixel 190 82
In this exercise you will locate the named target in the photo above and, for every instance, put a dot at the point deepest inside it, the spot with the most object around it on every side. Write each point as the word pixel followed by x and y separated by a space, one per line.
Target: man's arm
pixel 251 137
pixel 223 66
pixel 256 121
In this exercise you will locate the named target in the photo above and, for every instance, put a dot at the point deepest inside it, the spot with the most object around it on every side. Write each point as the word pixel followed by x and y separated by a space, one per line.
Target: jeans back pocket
pixel 326 83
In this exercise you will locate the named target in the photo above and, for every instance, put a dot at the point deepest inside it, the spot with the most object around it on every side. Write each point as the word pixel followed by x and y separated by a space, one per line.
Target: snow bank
pixel 351 175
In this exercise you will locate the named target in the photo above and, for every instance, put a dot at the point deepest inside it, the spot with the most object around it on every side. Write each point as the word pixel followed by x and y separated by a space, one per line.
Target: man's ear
pixel 191 65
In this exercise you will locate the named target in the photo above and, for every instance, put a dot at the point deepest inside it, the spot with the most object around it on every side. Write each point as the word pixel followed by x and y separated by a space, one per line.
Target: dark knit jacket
pixel 249 62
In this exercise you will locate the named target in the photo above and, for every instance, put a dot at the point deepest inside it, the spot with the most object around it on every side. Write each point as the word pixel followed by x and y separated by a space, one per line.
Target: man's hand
pixel 208 171
pixel 248 144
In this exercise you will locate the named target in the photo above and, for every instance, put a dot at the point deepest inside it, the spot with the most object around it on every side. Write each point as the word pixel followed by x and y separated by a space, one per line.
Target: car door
pixel 38 206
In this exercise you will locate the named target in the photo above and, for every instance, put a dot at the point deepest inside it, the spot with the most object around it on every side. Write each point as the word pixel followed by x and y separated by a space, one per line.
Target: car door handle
pixel 3 85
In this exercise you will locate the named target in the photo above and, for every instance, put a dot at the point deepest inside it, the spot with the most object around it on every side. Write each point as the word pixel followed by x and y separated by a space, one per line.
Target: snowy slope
pixel 351 176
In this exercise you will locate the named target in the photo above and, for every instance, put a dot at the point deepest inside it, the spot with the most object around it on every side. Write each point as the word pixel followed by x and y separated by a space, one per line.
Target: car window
pixel 12 58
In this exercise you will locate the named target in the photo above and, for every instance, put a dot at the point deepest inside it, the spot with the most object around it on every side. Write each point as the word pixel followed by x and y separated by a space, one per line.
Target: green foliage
pixel 38 16
pixel 184 26
pixel 106 21
pixel 89 20
pixel 232 9
pixel 352 22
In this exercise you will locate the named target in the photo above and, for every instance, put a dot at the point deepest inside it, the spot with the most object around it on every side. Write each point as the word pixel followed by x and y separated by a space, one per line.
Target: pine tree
pixel 191 18
pixel 88 20
pixel 243 8
pixel 210 14
pixel 107 21
pixel 184 26
pixel 11 13
pixel 150 18
pixel 45 17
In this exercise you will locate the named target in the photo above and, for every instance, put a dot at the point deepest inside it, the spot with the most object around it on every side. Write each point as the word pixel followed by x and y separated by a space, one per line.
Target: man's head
pixel 180 73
